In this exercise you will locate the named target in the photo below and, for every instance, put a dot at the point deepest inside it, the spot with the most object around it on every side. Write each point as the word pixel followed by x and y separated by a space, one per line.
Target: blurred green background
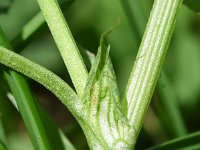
pixel 88 19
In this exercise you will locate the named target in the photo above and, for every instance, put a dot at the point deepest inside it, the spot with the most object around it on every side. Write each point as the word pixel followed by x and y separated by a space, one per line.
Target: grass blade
pixel 56 137
pixel 19 88
pixel 33 118
pixel 32 29
pixel 188 142
pixel 136 16
pixel 28 111
pixel 2 137
pixel 169 106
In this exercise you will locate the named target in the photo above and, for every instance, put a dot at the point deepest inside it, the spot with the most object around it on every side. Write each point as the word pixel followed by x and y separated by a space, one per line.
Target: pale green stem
pixel 65 43
pixel 137 18
pixel 45 77
pixel 149 59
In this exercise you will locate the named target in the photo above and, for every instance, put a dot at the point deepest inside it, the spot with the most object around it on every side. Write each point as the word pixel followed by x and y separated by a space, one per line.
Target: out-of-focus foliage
pixel 193 4
pixel 5 5
pixel 185 60
pixel 188 142
pixel 87 20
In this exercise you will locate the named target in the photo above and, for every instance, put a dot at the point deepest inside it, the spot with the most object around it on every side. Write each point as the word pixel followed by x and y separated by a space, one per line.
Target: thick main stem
pixel 137 20
pixel 149 59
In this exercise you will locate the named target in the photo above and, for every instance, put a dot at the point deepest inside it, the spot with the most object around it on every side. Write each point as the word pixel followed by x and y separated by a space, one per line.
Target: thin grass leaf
pixel 136 16
pixel 65 42
pixel 38 123
pixel 188 142
pixel 169 106
pixel 29 32
pixel 6 111
pixel 3 141
pixel 28 111
pixel 3 138
pixel 33 28
pixel 56 136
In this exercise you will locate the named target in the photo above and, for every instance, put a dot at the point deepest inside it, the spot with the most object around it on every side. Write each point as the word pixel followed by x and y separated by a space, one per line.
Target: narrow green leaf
pixel 188 142
pixel 6 111
pixel 170 107
pixel 36 119
pixel 31 29
pixel 56 137
pixel 65 43
pixel 3 141
pixel 193 4
pixel 28 111
pixel 136 16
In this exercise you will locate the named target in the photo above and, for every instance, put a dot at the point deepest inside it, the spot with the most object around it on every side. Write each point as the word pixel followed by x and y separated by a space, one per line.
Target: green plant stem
pixel 149 59
pixel 45 77
pixel 65 43
pixel 137 19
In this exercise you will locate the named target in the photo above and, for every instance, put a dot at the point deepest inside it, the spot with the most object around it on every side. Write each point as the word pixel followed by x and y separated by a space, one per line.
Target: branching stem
pixel 45 77
pixel 149 59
